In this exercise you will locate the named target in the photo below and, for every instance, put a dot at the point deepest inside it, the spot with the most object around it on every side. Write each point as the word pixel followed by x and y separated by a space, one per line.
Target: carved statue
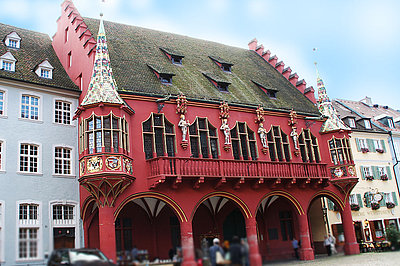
pixel 263 135
pixel 183 124
pixel 295 138
pixel 225 128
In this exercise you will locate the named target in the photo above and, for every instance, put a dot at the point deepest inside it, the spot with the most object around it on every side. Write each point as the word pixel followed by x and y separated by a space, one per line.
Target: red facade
pixel 174 199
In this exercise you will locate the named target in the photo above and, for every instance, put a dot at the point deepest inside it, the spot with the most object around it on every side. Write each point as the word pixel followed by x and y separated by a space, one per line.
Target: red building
pixel 182 151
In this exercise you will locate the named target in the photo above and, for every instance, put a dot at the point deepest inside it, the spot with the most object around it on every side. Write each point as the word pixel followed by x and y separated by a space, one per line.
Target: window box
pixel 369 177
pixel 355 207
pixel 364 150
pixel 375 205
pixel 384 177
pixel 380 150
pixel 390 205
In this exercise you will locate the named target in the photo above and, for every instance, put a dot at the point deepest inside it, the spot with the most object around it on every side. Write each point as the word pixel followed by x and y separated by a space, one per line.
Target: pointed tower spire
pixel 325 107
pixel 102 87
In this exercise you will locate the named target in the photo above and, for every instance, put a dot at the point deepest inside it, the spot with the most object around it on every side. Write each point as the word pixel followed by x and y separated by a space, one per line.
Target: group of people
pixel 235 253
pixel 330 244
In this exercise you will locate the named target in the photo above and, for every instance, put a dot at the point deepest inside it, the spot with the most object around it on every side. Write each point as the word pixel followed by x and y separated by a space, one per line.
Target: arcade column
pixel 187 244
pixel 351 246
pixel 306 252
pixel 254 253
pixel 107 232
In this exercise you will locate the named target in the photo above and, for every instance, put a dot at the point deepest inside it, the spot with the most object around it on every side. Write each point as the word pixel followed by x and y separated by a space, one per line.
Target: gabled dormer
pixel 386 120
pixel 350 121
pixel 219 83
pixel 173 56
pixel 365 123
pixel 271 92
pixel 162 74
pixel 13 40
pixel 7 62
pixel 44 70
pixel 224 65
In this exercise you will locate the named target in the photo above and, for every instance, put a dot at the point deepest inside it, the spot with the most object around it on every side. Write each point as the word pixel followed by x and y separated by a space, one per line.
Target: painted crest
pixel 352 171
pixel 82 167
pixel 338 172
pixel 94 164
pixel 128 166
pixel 113 163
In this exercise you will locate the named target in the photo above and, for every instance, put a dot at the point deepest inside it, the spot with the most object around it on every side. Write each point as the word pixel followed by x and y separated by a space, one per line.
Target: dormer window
pixel 12 40
pixel 224 65
pixel 390 123
pixel 271 92
pixel 220 84
pixel 175 57
pixel 367 124
pixel 7 62
pixel 352 122
pixel 162 74
pixel 166 79
pixel 44 70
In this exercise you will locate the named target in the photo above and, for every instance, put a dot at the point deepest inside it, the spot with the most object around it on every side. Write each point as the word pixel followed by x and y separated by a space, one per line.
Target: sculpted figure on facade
pixel 183 124
pixel 262 132
pixel 225 128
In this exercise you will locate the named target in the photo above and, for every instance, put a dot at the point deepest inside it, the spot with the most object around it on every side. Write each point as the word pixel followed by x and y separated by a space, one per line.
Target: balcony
pixel 178 169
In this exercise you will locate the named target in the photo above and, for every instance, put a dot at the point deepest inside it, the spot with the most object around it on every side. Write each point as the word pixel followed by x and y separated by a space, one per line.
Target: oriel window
pixel 203 139
pixel 340 151
pixel 278 145
pixel 243 142
pixel 309 147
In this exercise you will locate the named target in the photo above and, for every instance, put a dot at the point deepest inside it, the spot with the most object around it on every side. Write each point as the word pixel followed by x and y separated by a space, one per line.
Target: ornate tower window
pixel 158 136
pixel 340 151
pixel 108 132
pixel 309 147
pixel 203 139
pixel 278 144
pixel 243 142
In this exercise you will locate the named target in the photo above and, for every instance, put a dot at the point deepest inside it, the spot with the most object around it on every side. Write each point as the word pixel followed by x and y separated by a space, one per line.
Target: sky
pixel 355 42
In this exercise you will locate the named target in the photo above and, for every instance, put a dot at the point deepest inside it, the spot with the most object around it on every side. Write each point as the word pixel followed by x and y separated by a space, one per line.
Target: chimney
pixel 301 85
pixel 279 66
pixel 253 44
pixel 367 100
pixel 266 55
pixel 309 93
pixel 293 78
pixel 260 49
pixel 286 72
pixel 272 60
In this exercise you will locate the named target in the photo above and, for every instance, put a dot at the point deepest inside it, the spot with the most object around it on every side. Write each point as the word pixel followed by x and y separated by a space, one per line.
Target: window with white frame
pixel 45 73
pixel 28 212
pixel 367 171
pixel 352 123
pixel 363 144
pixel 45 70
pixel 29 158
pixel 7 65
pixel 7 62
pixel 381 171
pixel 367 124
pixel 13 40
pixel 62 114
pixel 378 144
pixel 388 197
pixel 353 199
pixel 2 102
pixel 30 107
pixel 28 243
pixel 63 212
pixel 390 123
pixel 62 161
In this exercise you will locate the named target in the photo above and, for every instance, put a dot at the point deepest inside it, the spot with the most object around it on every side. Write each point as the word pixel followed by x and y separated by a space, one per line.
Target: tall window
pixel 286 222
pixel 340 151
pixel 110 132
pixel 30 107
pixel 62 161
pixel 278 144
pixel 63 212
pixel 308 147
pixel 2 103
pixel 158 136
pixel 203 139
pixel 29 158
pixel 28 212
pixel 28 243
pixel 243 142
pixel 62 114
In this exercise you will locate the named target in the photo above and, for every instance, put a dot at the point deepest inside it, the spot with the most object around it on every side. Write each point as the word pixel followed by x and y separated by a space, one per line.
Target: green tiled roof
pixel 35 48
pixel 132 49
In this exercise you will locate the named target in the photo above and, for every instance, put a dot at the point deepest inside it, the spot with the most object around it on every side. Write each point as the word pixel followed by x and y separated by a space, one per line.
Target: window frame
pixel 71 160
pixel 391 123
pixel 314 148
pixel 38 156
pixel 273 146
pixel 4 102
pixel 39 107
pixel 246 136
pixel 345 150
pixel 367 124
pixel 63 112
pixel 352 122
pixel 197 138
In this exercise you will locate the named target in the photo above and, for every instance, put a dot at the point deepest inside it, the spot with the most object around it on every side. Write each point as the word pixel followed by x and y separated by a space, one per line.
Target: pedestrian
pixel 332 240
pixel 245 252
pixel 235 250
pixel 134 253
pixel 216 252
pixel 296 246
pixel 327 244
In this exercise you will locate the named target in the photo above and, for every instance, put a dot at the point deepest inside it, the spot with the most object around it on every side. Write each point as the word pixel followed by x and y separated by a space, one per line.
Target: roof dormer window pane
pixel 7 66
pixel 352 123
pixel 367 124
pixel 223 87
pixel 226 68
pixel 390 123
pixel 176 60
pixel 13 43
pixel 165 79
pixel 44 73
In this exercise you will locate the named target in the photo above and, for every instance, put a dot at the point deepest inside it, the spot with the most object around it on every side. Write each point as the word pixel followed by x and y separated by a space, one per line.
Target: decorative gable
pixel 7 62
pixel 45 70
pixel 13 40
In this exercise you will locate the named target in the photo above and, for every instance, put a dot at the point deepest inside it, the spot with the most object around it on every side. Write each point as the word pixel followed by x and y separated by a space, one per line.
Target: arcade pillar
pixel 254 253
pixel 351 246
pixel 187 244
pixel 107 232
pixel 306 252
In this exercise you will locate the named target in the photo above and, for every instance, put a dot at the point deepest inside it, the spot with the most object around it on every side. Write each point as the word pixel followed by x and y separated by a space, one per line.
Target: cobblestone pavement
pixel 365 259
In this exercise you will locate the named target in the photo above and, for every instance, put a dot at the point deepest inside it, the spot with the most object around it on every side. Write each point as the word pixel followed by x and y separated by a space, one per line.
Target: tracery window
pixel 158 136
pixel 308 147
pixel 108 132
pixel 278 144
pixel 203 139
pixel 243 142
pixel 340 151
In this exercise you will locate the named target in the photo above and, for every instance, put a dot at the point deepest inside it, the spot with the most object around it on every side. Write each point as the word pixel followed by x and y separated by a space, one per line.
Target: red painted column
pixel 187 244
pixel 254 252
pixel 107 232
pixel 86 223
pixel 351 246
pixel 306 251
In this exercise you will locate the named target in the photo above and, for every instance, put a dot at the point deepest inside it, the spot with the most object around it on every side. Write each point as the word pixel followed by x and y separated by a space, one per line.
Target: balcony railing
pixel 194 167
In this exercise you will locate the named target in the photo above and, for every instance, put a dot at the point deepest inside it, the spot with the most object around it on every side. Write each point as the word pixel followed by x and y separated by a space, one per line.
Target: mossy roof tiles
pixel 132 49
pixel 35 48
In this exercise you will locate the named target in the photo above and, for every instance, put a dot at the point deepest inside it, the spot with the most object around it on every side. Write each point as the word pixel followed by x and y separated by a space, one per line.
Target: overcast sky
pixel 357 42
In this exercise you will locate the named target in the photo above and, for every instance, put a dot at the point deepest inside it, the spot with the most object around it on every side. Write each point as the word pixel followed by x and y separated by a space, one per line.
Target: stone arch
pixel 285 195
pixel 88 201
pixel 329 194
pixel 240 203
pixel 170 202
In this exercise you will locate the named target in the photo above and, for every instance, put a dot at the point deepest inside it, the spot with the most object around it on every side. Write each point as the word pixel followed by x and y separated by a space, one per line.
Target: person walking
pixel 332 240
pixel 235 251
pixel 296 246
pixel 327 244
pixel 214 249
